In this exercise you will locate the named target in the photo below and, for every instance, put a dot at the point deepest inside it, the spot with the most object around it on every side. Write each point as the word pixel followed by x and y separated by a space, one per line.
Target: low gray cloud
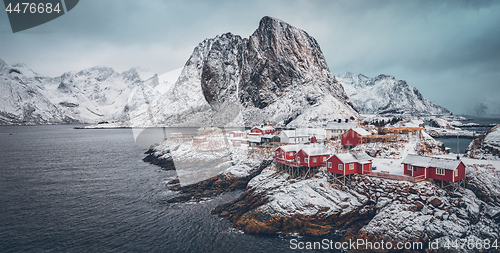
pixel 449 50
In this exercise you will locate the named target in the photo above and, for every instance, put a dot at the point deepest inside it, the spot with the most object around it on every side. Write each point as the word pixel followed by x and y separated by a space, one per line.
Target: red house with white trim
pixel 302 155
pixel 353 137
pixel 312 155
pixel 262 130
pixel 444 169
pixel 347 164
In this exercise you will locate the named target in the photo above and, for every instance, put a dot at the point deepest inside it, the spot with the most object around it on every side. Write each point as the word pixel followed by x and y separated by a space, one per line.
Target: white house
pixel 336 129
pixel 302 135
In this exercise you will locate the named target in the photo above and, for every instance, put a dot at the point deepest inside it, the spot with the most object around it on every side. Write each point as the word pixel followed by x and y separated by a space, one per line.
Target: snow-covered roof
pixel 429 161
pixel 263 128
pixel 359 157
pixel 362 156
pixel 334 125
pixel 288 148
pixel 315 149
pixel 361 131
pixel 346 158
pixel 305 132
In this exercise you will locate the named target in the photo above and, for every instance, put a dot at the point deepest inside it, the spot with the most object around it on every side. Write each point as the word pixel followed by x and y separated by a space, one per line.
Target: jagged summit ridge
pixel 277 75
pixel 384 94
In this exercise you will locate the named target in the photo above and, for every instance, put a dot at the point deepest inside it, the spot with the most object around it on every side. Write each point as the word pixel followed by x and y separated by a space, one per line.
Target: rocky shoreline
pixel 213 186
pixel 390 210
pixel 368 208
pixel 166 163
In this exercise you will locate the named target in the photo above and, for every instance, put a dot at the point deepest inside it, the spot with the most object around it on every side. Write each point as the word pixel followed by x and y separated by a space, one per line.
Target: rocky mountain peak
pixel 278 75
pixel 279 57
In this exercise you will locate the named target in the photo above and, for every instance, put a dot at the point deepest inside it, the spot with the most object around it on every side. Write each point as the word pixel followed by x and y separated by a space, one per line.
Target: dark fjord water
pixel 463 143
pixel 67 190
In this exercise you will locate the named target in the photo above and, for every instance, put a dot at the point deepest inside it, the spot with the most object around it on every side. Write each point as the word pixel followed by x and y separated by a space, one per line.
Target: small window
pixel 410 167
pixel 306 160
pixel 440 171
pixel 351 166
pixel 314 159
pixel 415 169
pixel 341 167
pixel 456 173
pixel 329 165
pixel 324 158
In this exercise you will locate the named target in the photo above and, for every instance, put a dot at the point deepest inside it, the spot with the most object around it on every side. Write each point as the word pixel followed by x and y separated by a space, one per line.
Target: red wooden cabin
pixel 444 169
pixel 262 130
pixel 312 155
pixel 301 155
pixel 286 154
pixel 347 164
pixel 354 137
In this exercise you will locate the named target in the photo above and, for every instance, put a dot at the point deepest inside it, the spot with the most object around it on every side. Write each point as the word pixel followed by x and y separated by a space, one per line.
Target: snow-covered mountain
pixel 87 96
pixel 22 98
pixel 386 95
pixel 277 75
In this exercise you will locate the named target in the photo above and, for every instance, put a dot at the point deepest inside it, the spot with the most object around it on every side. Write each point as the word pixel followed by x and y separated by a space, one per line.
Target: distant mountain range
pixel 388 96
pixel 87 96
pixel 277 75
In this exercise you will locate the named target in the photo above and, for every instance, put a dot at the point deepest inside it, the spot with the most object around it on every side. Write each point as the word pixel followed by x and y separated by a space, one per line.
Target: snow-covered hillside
pixel 386 95
pixel 486 146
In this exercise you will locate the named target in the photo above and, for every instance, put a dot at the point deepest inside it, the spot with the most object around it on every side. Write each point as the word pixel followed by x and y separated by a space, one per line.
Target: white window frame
pixel 351 166
pixel 341 167
pixel 456 172
pixel 329 165
pixel 314 159
pixel 440 171
pixel 410 167
pixel 324 159
pixel 306 160
pixel 298 159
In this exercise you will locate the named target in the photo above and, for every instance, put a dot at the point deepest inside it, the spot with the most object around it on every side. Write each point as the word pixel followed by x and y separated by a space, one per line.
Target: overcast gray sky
pixel 449 50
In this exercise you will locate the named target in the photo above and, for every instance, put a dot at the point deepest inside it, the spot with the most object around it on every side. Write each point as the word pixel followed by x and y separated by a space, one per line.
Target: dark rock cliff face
pixel 275 57
pixel 222 67
pixel 279 56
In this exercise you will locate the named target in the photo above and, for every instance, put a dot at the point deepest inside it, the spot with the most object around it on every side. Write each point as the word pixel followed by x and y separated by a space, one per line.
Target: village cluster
pixel 303 151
